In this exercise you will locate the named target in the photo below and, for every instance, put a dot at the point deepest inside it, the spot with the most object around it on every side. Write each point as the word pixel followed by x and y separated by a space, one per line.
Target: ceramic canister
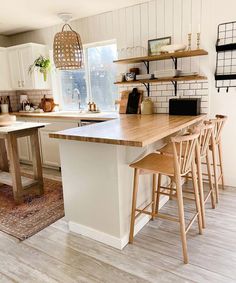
pixel 4 108
pixel 147 106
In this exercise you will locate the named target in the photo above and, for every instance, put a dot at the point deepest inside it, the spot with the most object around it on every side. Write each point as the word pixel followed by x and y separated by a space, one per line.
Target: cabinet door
pixel 24 149
pixel 4 71
pixel 49 149
pixel 14 64
pixel 26 60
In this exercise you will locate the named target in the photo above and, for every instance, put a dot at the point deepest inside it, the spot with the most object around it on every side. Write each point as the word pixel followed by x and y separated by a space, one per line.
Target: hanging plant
pixel 43 64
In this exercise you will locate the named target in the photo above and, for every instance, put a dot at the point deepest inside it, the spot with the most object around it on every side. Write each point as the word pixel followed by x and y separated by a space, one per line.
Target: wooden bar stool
pixel 175 167
pixel 202 155
pixel 216 145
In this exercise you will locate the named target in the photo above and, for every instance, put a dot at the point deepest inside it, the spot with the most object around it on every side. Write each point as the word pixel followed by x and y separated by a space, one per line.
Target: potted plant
pixel 43 64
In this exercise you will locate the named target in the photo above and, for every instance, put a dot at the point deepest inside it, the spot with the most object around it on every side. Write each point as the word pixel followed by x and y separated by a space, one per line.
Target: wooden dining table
pixel 10 173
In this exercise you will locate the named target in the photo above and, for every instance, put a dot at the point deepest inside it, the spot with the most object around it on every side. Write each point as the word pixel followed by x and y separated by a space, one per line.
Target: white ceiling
pixel 23 15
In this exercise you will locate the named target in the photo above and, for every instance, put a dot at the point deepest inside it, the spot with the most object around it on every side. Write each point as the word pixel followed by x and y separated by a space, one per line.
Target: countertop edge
pixel 97 140
pixel 106 117
pixel 133 143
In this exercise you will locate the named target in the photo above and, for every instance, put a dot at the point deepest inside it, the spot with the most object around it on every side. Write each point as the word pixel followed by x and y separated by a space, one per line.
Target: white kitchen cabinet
pixel 49 147
pixel 20 58
pixel 49 150
pixel 24 149
pixel 4 70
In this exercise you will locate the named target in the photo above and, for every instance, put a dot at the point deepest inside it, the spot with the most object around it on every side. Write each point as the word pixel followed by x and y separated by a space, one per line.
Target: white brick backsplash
pixel 158 104
pixel 161 87
pixel 189 92
pixel 162 110
pixel 167 93
pixel 165 104
pixel 204 104
pixel 161 98
pixel 183 86
pixel 205 85
pixel 195 86
pixel 202 92
pixel 161 93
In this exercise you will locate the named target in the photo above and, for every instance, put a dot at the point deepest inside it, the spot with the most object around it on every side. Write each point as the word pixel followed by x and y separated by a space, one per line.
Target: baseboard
pixel 115 242
pixel 95 235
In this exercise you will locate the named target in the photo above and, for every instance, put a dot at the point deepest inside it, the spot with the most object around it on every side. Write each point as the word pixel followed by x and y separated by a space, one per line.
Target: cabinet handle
pixel 22 83
pixel 19 84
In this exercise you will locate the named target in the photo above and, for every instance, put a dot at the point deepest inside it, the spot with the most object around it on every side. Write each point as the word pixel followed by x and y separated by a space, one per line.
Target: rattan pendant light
pixel 67 47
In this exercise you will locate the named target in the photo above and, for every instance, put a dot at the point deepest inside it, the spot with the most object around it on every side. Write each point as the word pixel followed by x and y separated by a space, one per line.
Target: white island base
pixel 97 187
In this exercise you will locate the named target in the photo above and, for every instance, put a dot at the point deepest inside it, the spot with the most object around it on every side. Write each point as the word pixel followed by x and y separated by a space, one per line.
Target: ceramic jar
pixel 147 106
pixel 4 108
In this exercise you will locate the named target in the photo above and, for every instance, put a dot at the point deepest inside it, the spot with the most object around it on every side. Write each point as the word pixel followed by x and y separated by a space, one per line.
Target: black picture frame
pixel 154 45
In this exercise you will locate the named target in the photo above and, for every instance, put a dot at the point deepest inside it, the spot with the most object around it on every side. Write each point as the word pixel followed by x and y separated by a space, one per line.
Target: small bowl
pixel 130 76
pixel 7 120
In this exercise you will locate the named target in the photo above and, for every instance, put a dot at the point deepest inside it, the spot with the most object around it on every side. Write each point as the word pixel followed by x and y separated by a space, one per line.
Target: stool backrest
pixel 206 132
pixel 184 148
pixel 219 123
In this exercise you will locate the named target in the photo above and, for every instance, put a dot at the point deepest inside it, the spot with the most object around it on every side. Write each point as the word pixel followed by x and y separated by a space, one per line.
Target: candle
pixel 190 28
pixel 199 28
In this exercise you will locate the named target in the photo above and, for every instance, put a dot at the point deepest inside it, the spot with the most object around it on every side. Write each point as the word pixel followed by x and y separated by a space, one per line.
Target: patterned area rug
pixel 26 219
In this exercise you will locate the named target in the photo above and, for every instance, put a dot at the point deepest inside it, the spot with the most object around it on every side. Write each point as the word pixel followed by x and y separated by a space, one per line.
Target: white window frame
pixel 56 78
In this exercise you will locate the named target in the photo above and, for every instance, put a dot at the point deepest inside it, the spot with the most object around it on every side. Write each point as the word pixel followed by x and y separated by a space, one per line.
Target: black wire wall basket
pixel 225 74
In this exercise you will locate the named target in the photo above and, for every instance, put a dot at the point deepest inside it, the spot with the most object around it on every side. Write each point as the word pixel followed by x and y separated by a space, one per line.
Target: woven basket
pixel 67 50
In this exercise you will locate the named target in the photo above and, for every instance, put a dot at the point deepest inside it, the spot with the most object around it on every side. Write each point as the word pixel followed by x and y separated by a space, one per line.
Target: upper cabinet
pixel 5 83
pixel 20 58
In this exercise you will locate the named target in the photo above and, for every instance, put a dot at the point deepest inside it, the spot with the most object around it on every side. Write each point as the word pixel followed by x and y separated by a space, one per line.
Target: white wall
pixel 133 26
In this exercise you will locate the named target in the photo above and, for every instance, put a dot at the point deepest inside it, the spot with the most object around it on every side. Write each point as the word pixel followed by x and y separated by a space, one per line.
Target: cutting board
pixel 124 101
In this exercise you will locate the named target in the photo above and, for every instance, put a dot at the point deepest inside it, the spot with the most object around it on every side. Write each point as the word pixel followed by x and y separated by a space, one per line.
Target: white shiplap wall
pixel 133 26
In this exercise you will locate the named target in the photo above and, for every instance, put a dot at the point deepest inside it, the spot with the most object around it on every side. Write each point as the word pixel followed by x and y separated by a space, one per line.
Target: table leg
pixel 36 160
pixel 14 167
pixel 4 166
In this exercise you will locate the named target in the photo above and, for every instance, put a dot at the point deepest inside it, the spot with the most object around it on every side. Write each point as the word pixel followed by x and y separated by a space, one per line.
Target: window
pixel 93 83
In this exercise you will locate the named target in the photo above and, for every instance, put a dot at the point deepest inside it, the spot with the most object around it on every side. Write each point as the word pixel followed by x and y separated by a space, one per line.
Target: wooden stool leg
pixel 197 200
pixel 213 204
pixel 181 217
pixel 36 160
pixel 15 168
pixel 154 187
pixel 200 185
pixel 171 190
pixel 4 166
pixel 215 170
pixel 158 193
pixel 134 201
pixel 221 165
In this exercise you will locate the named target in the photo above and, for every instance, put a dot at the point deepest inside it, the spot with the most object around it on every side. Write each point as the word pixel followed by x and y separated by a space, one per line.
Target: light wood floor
pixel 55 255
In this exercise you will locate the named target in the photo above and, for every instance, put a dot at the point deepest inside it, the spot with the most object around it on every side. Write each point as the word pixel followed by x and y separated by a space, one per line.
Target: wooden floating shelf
pixel 174 79
pixel 164 56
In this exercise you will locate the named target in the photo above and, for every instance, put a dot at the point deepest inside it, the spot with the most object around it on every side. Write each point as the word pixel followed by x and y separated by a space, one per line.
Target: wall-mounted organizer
pixel 225 74
pixel 174 56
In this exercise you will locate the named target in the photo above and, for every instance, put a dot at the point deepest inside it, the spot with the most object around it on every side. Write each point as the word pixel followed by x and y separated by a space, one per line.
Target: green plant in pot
pixel 43 64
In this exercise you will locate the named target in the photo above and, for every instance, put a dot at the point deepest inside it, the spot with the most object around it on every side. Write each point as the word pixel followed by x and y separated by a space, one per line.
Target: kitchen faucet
pixel 77 92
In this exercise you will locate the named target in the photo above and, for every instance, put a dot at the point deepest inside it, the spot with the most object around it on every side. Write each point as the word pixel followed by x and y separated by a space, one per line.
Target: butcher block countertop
pixel 130 130
pixel 69 115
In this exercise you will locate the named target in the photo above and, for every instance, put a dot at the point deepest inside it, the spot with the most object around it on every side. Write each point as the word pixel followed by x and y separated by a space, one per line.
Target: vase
pixel 45 76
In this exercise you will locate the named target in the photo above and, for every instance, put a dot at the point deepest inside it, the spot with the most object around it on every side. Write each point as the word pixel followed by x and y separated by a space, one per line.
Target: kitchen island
pixel 21 185
pixel 97 180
